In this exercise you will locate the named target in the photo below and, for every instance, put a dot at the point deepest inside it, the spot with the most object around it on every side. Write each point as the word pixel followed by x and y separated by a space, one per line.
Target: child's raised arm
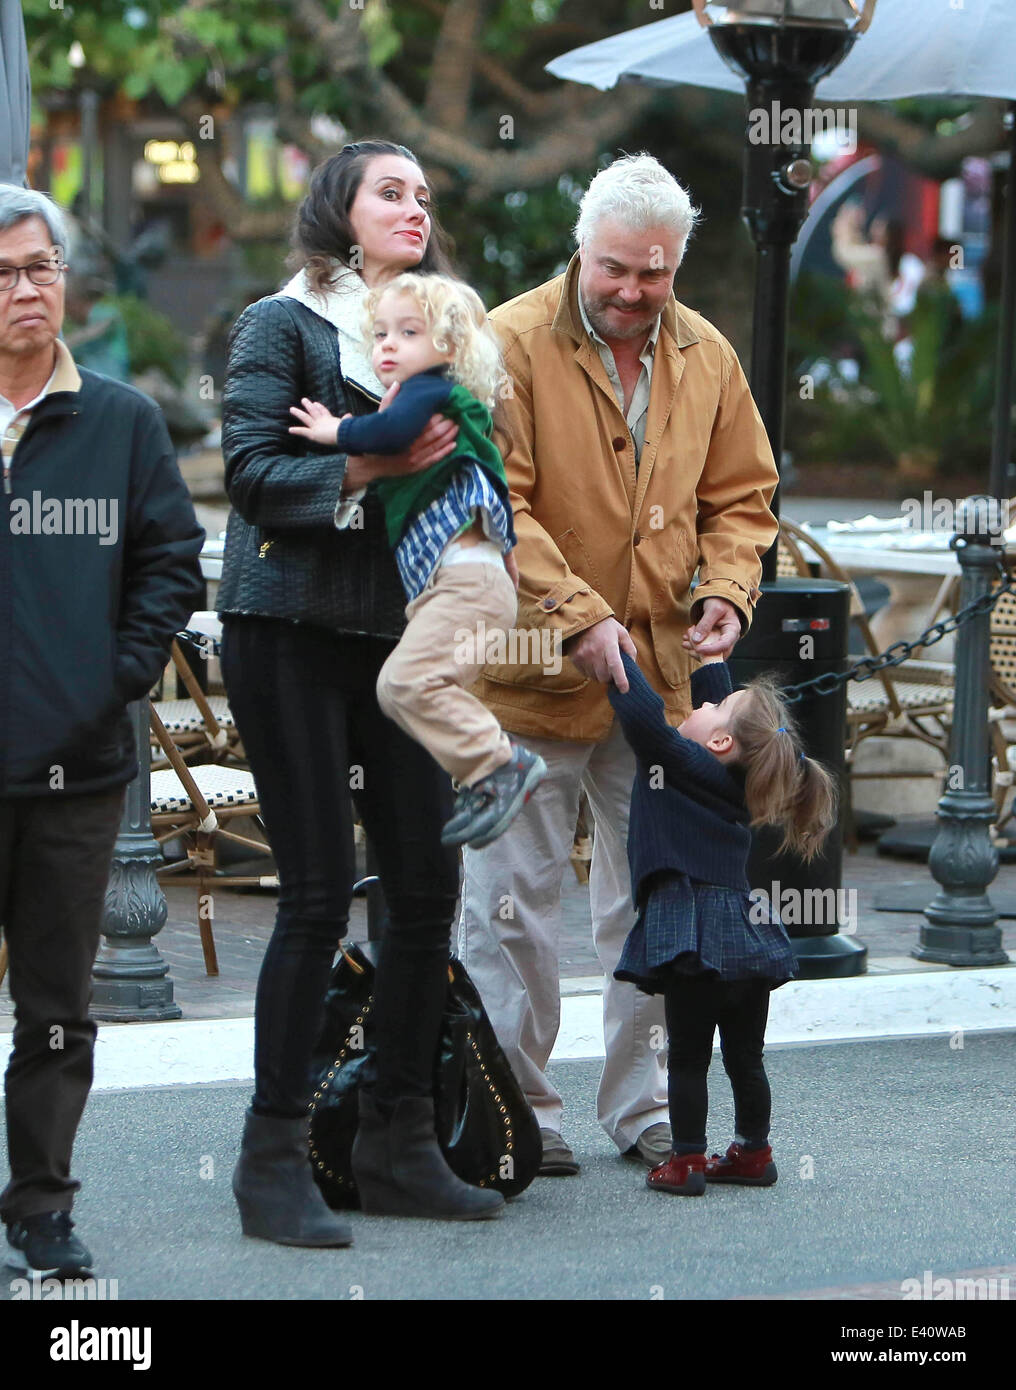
pixel 654 741
pixel 393 430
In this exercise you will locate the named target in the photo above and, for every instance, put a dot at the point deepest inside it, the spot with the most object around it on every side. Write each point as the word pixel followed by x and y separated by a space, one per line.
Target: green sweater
pixel 393 430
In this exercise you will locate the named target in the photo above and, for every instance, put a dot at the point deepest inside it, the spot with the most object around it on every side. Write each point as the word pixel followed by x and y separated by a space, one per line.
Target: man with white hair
pixel 99 567
pixel 636 457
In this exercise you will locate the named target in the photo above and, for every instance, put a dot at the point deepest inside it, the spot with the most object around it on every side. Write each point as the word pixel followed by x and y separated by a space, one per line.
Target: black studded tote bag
pixel 485 1126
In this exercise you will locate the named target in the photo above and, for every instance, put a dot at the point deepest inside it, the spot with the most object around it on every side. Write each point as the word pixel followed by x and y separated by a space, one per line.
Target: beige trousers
pixel 423 684
pixel 508 936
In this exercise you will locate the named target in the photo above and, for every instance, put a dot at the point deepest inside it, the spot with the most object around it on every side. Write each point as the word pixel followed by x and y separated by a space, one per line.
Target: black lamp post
pixel 782 48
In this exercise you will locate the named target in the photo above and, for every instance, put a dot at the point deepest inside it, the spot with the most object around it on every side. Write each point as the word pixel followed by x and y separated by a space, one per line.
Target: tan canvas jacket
pixel 594 539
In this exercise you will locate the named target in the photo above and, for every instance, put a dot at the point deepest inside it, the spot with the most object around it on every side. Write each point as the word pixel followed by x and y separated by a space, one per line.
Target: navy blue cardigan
pixel 688 811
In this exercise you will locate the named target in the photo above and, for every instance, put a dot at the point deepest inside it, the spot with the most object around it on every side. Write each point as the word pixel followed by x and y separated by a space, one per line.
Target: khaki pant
pixel 423 684
pixel 508 936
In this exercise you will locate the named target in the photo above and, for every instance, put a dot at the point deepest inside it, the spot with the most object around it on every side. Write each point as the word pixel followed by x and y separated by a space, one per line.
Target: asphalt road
pixel 895 1158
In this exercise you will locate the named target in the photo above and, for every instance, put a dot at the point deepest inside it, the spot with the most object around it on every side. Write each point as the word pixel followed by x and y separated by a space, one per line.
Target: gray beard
pixel 638 328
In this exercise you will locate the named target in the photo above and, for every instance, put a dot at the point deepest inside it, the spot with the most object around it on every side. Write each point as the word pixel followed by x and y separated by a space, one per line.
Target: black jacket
pixel 284 557
pixel 99 568
pixel 688 813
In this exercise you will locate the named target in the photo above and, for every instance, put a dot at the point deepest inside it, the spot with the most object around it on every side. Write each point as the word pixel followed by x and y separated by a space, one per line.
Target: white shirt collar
pixel 342 306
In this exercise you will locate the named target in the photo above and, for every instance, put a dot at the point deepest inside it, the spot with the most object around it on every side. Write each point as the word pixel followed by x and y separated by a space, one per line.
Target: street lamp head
pixel 839 14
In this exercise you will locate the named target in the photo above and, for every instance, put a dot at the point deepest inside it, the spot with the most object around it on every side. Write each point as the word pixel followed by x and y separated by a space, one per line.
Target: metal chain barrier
pixel 868 666
pixel 898 652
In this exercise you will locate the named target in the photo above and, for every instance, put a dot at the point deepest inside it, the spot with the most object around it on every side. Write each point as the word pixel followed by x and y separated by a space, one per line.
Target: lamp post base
pixel 130 979
pixel 961 946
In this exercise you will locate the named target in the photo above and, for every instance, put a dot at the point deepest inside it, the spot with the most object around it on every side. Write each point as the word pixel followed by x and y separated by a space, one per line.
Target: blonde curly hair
pixel 457 322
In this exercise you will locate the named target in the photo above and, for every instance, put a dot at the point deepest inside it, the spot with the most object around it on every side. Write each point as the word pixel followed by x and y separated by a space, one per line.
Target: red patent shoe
pixel 750 1167
pixel 683 1174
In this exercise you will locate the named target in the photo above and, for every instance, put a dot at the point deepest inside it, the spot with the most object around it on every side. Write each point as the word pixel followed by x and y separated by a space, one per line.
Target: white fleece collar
pixel 342 306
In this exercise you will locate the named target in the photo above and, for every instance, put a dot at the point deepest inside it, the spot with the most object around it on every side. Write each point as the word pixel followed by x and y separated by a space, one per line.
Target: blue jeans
pixel 305 705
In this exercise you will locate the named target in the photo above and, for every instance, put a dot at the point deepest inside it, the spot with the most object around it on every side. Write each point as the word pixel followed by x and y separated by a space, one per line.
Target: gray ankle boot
pixel 400 1170
pixel 275 1189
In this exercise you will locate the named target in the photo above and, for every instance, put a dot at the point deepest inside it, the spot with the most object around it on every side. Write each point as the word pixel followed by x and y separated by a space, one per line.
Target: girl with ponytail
pixel 735 763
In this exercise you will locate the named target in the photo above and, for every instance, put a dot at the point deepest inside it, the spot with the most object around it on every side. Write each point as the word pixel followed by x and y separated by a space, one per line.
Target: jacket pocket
pixel 577 558
pixel 669 615
pixel 536 661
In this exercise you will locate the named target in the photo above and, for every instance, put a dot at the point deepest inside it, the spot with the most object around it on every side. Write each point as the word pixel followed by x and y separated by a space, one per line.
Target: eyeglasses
pixel 39 272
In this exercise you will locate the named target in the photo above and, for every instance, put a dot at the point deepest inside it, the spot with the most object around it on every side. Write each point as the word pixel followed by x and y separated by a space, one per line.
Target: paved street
pixel 911 1144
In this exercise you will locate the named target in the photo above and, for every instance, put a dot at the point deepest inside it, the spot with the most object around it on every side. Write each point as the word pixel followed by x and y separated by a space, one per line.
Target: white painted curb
pixel 914 1004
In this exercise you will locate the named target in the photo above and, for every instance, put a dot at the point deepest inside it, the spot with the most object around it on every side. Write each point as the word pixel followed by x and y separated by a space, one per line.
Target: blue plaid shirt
pixel 420 548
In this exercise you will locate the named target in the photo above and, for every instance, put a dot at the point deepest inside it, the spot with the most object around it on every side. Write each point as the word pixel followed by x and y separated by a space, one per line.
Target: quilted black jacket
pixel 284 557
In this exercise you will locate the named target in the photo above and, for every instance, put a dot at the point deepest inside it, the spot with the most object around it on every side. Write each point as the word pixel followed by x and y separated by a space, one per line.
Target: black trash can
pixel 800 631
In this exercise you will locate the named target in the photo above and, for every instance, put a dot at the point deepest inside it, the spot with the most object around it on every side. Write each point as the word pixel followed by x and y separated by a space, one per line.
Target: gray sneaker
pixel 487 808
pixel 558 1159
pixel 654 1145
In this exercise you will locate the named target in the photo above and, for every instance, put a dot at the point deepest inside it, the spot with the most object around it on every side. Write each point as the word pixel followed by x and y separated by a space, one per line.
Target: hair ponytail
pixel 783 787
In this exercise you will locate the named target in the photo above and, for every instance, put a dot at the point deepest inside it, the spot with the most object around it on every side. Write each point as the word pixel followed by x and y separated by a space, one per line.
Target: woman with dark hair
pixel 310 614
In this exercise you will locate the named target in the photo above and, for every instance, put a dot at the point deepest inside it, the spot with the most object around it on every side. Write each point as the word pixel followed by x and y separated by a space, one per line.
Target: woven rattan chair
pixel 202 726
pixel 912 700
pixel 1002 714
pixel 199 805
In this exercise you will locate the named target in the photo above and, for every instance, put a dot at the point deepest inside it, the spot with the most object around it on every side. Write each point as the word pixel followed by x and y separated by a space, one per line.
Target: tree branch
pixel 245 223
pixel 451 73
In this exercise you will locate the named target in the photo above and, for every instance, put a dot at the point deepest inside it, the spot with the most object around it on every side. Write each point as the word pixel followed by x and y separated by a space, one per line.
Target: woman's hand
pixel 316 422
pixel 435 443
pixel 512 566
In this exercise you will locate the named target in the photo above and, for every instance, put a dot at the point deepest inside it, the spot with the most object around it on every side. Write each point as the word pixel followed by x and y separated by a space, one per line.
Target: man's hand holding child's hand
pixel 713 636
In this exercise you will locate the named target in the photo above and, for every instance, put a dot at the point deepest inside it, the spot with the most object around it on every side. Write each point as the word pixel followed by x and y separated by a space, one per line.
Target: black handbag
pixel 486 1128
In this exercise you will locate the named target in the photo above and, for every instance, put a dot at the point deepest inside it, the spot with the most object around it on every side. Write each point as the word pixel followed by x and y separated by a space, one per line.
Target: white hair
pixel 18 204
pixel 638 192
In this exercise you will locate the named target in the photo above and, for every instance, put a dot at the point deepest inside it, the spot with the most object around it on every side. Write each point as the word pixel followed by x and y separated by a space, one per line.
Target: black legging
pixel 305 706
pixel 695 1007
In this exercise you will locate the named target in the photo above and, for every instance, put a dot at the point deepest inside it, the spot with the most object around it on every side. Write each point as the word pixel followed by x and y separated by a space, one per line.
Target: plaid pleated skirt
pixel 697 928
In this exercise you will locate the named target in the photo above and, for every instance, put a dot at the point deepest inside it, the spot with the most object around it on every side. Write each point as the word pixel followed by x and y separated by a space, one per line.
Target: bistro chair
pixel 202 726
pixel 199 805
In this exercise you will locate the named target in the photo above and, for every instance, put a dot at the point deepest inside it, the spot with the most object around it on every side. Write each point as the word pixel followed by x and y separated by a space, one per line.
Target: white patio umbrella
pixel 969 50
pixel 15 94
pixel 907 52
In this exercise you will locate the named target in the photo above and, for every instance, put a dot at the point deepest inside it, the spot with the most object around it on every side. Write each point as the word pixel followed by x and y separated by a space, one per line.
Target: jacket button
pixel 637 538
pixel 619 443
pixel 548 603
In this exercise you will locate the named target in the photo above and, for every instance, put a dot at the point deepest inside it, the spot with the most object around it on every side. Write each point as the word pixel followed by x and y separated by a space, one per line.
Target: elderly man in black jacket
pixel 98 569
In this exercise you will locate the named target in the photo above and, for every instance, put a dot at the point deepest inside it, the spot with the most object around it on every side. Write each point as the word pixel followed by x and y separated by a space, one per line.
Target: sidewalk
pixel 244 921
pixel 898 997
